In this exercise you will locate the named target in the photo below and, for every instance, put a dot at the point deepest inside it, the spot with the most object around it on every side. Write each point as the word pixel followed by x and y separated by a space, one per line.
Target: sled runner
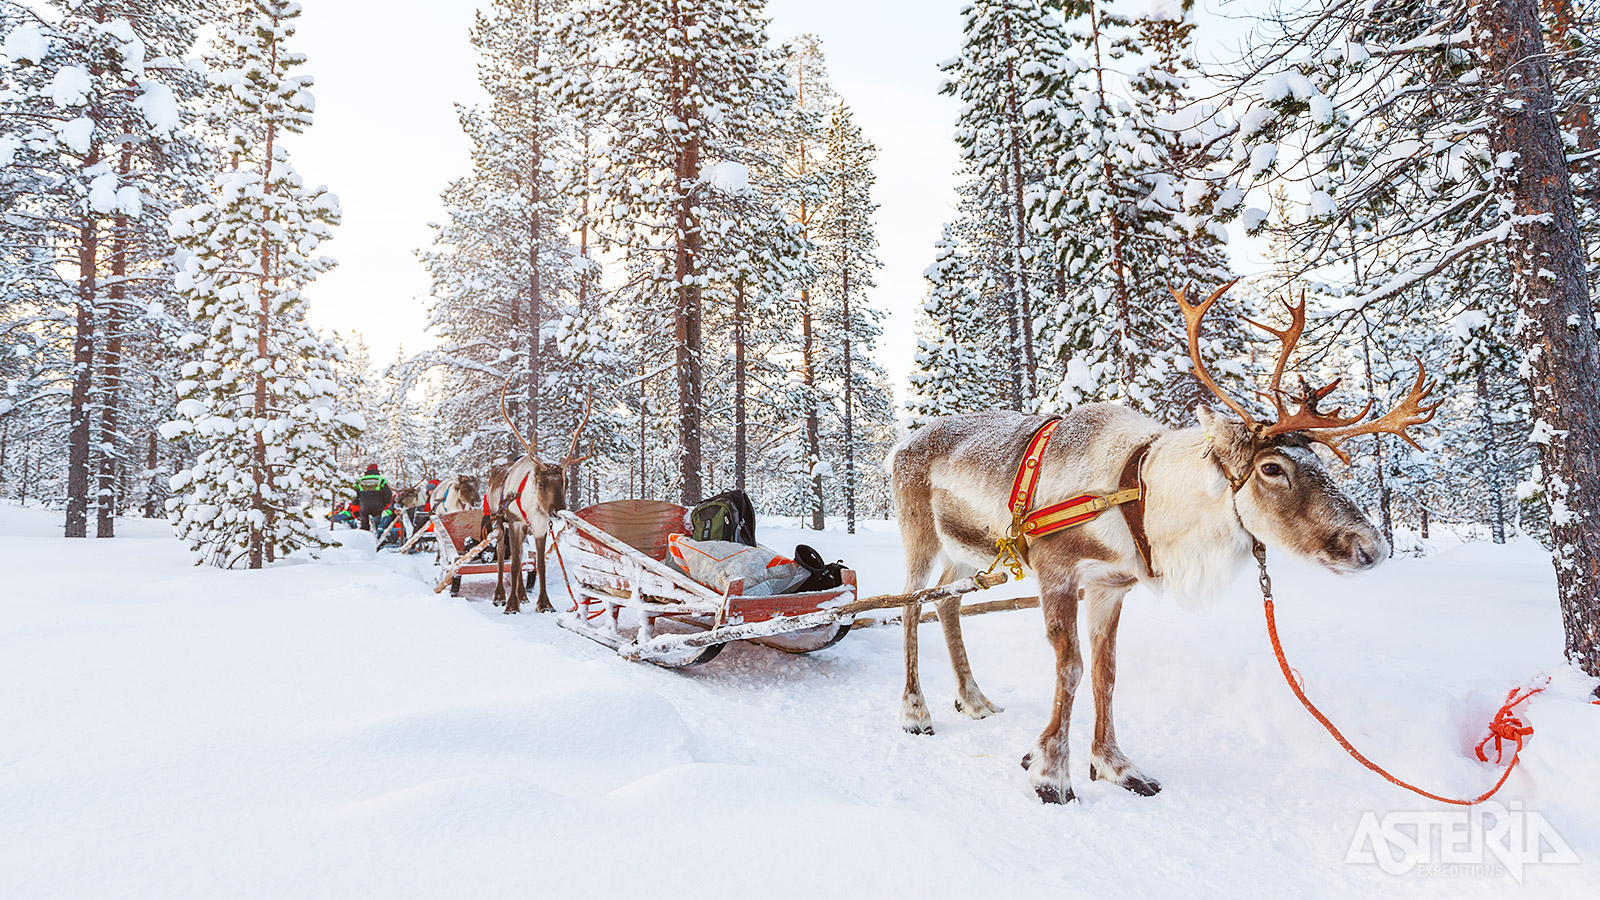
pixel 462 553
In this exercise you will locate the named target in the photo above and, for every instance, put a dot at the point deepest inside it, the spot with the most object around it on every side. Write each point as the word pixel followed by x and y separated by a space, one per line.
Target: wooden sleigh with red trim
pixel 465 550
pixel 614 555
pixel 614 559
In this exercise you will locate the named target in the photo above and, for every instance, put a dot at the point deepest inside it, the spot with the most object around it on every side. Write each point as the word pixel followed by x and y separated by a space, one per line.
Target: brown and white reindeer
pixel 522 498
pixel 455 495
pixel 1205 495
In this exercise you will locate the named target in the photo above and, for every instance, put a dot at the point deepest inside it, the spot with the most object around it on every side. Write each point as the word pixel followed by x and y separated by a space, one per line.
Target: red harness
pixel 1075 510
pixel 517 496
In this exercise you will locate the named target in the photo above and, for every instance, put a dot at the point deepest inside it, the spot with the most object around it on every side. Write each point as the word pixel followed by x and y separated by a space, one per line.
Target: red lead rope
pixel 1505 726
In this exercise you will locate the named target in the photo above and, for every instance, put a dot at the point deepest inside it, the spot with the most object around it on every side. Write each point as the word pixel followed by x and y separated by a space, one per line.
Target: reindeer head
pixel 469 492
pixel 1281 489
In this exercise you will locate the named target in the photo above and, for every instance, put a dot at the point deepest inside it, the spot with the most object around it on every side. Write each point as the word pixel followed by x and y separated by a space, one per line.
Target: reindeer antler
pixel 572 457
pixel 1330 429
pixel 1307 417
pixel 1411 411
pixel 1193 315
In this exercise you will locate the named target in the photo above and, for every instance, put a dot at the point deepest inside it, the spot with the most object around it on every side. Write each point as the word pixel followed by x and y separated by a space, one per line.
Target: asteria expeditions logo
pixel 1487 839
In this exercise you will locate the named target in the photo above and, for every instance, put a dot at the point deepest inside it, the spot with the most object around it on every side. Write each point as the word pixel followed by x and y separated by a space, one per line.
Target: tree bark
pixel 1557 329
pixel 740 424
pixel 849 402
pixel 111 389
pixel 1023 301
pixel 813 424
pixel 688 243
pixel 82 375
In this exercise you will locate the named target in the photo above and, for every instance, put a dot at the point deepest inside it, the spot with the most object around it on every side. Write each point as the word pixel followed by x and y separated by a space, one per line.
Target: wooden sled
pixel 614 558
pixel 454 534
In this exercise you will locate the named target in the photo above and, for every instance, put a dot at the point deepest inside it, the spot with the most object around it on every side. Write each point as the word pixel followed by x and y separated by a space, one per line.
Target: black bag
pixel 728 516
pixel 824 576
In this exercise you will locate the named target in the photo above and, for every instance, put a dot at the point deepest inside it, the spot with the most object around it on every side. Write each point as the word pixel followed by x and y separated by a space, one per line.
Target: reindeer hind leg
pixel 970 701
pixel 922 551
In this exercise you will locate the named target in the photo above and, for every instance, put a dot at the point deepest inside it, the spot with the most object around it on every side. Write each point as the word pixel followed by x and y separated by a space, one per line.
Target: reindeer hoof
pixel 1139 784
pixel 1049 793
pixel 545 607
pixel 980 707
pixel 917 727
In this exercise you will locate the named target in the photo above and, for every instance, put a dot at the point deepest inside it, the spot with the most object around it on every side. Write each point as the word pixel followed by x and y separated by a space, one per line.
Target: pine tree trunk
pixel 1013 321
pixel 111 391
pixel 257 546
pixel 1491 462
pixel 1558 331
pixel 152 461
pixel 82 377
pixel 1023 301
pixel 849 405
pixel 740 427
pixel 1114 224
pixel 813 424
pixel 535 285
pixel 686 269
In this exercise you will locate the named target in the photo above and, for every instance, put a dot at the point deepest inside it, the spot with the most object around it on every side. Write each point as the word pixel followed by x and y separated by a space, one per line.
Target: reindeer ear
pixel 1229 438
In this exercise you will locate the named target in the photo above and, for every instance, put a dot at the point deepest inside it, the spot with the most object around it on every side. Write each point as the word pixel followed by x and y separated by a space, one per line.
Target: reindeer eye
pixel 1271 469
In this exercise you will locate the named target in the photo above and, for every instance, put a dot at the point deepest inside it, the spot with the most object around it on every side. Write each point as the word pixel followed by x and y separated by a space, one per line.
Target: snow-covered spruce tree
pixel 92 129
pixel 952 372
pixel 1177 239
pixel 261 400
pixel 803 150
pixel 1009 48
pixel 846 256
pixel 501 262
pixel 687 85
pixel 1455 113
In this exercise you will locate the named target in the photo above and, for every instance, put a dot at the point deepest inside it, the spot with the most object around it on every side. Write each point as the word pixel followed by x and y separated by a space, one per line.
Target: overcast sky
pixel 386 141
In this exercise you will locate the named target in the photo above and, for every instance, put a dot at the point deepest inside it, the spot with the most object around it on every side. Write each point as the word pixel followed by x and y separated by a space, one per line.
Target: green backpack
pixel 728 516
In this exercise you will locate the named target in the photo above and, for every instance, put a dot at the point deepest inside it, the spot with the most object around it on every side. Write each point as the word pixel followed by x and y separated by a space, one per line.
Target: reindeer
pixel 1207 495
pixel 523 496
pixel 458 494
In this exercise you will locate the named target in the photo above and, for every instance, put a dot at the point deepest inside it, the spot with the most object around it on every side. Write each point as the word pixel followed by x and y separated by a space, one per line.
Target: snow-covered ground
pixel 335 729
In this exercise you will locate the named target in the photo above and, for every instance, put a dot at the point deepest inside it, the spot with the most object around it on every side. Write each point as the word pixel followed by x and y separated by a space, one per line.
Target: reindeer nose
pixel 1367 550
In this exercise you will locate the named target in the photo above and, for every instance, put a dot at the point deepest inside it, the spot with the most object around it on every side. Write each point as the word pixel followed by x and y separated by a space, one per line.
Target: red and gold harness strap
pixel 1012 549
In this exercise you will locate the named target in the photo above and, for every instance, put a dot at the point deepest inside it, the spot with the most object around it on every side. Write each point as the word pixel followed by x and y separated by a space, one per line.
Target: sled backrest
pixel 641 524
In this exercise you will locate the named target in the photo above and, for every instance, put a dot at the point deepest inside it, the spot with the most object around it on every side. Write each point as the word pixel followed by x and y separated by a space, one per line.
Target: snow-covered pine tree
pixel 687 85
pixel 1011 52
pixel 502 263
pixel 1176 239
pixel 846 256
pixel 94 140
pixel 1476 161
pixel 806 169
pixel 261 400
pixel 952 372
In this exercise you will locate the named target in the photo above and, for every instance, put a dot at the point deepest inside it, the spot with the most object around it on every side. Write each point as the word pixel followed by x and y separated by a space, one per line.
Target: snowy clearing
pixel 335 729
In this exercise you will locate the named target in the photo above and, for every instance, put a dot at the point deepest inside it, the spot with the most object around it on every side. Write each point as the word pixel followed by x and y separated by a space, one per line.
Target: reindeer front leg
pixel 1047 762
pixel 499 563
pixel 544 595
pixel 519 591
pixel 1106 761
